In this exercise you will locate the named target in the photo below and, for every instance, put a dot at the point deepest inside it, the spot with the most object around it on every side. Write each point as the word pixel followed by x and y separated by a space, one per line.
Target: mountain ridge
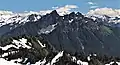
pixel 72 33
pixel 93 29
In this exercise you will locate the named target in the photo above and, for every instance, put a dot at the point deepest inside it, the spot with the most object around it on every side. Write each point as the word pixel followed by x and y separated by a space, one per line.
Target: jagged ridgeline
pixel 72 33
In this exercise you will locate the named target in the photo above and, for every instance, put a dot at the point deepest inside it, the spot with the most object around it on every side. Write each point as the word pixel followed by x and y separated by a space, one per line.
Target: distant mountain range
pixel 75 37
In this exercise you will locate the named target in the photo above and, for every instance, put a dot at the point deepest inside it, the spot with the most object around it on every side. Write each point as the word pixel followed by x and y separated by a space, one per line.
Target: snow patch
pixel 5 62
pixel 79 62
pixel 41 44
pixel 88 58
pixel 56 58
pixel 21 43
pixel 40 62
pixel 25 60
pixel 74 59
pixel 47 30
pixel 8 46
pixel 70 21
pixel 112 63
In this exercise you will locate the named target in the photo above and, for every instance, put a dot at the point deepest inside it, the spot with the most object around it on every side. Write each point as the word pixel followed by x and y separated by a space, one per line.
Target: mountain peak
pixel 54 13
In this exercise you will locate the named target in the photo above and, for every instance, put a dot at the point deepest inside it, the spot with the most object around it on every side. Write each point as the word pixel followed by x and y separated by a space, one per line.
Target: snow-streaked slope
pixel 19 18
pixel 21 43
pixel 17 43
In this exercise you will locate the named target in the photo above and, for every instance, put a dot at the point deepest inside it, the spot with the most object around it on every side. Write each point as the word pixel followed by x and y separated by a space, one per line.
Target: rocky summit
pixel 51 39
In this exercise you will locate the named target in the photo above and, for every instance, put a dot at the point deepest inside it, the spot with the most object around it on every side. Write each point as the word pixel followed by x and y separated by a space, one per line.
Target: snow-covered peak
pixel 9 17
pixel 105 11
pixel 109 14
pixel 60 10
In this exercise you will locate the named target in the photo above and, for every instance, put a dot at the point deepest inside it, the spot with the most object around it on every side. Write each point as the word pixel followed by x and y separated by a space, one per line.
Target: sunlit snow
pixel 5 62
pixel 55 59
pixel 47 30
pixel 41 44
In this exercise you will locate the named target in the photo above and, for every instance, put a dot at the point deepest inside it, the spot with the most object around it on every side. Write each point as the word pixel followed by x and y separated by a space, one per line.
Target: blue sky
pixel 37 5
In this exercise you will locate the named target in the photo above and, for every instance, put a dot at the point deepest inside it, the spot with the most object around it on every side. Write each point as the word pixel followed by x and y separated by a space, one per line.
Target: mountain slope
pixel 72 34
